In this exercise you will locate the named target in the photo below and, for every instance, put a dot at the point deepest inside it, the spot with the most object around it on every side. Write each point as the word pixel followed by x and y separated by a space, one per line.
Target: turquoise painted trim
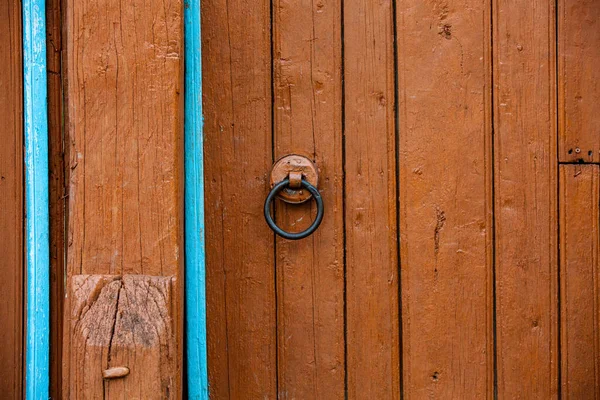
pixel 197 373
pixel 37 351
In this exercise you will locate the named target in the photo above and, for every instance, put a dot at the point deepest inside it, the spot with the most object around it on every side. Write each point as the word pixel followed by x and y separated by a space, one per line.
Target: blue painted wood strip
pixel 37 351
pixel 197 377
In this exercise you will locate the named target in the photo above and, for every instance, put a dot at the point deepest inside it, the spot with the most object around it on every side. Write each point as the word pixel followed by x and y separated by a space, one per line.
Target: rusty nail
pixel 115 372
pixel 295 179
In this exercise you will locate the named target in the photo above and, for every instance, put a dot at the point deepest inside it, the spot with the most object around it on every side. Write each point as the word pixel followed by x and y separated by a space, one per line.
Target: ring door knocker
pixel 294 180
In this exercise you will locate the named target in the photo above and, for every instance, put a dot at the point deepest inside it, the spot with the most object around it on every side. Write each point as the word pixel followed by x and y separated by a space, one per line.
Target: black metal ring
pixel 289 235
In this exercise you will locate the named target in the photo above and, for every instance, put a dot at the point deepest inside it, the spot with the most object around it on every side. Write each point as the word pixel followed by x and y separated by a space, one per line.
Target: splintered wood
pixel 119 323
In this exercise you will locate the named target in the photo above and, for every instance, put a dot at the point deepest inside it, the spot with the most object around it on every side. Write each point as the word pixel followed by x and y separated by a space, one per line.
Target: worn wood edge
pixel 36 199
pixel 195 256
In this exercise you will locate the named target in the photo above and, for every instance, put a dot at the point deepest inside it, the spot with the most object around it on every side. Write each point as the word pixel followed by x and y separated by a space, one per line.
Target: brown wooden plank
pixel 11 201
pixel 579 275
pixel 123 322
pixel 124 89
pixel 373 358
pixel 57 192
pixel 525 198
pixel 241 311
pixel 578 79
pixel 446 198
pixel 310 279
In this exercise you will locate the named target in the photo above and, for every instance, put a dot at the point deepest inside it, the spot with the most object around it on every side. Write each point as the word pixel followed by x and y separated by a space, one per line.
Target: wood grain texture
pixel 310 273
pixel 446 198
pixel 236 47
pixel 57 191
pixel 579 276
pixel 373 354
pixel 525 174
pixel 579 80
pixel 11 201
pixel 123 322
pixel 124 78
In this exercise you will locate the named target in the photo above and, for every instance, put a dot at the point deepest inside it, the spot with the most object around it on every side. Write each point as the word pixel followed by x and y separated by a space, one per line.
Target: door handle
pixel 297 171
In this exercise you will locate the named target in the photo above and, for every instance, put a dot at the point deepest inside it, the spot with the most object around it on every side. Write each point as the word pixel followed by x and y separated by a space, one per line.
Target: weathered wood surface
pixel 372 320
pixel 525 188
pixel 579 280
pixel 124 83
pixel 310 273
pixel 11 201
pixel 123 322
pixel 579 80
pixel 241 306
pixel 322 318
pixel 446 225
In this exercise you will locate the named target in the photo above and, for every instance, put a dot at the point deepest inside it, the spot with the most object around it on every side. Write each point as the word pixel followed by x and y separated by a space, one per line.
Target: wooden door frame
pixel 37 242
pixel 194 270
pixel 35 99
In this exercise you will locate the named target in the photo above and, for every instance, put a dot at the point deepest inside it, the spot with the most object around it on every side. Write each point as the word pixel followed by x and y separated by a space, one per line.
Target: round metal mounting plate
pixel 294 163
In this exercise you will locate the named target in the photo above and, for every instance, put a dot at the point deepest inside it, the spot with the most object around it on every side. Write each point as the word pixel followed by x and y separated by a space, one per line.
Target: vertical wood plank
pixel 579 274
pixel 310 279
pixel 57 191
pixel 525 198
pixel 236 39
pixel 37 249
pixel 124 82
pixel 195 246
pixel 578 77
pixel 11 201
pixel 372 330
pixel 444 70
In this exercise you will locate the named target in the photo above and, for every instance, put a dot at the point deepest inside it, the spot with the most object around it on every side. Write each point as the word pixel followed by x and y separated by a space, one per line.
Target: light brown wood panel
pixel 237 97
pixel 124 90
pixel 11 201
pixel 579 79
pixel 373 360
pixel 310 272
pixel 57 191
pixel 525 198
pixel 579 275
pixel 446 198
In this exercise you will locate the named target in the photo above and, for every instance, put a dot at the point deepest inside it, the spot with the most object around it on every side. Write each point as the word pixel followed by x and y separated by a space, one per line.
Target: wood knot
pixel 115 372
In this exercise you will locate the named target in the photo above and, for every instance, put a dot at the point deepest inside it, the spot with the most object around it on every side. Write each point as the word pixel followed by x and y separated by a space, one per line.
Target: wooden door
pixel 11 201
pixel 457 144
